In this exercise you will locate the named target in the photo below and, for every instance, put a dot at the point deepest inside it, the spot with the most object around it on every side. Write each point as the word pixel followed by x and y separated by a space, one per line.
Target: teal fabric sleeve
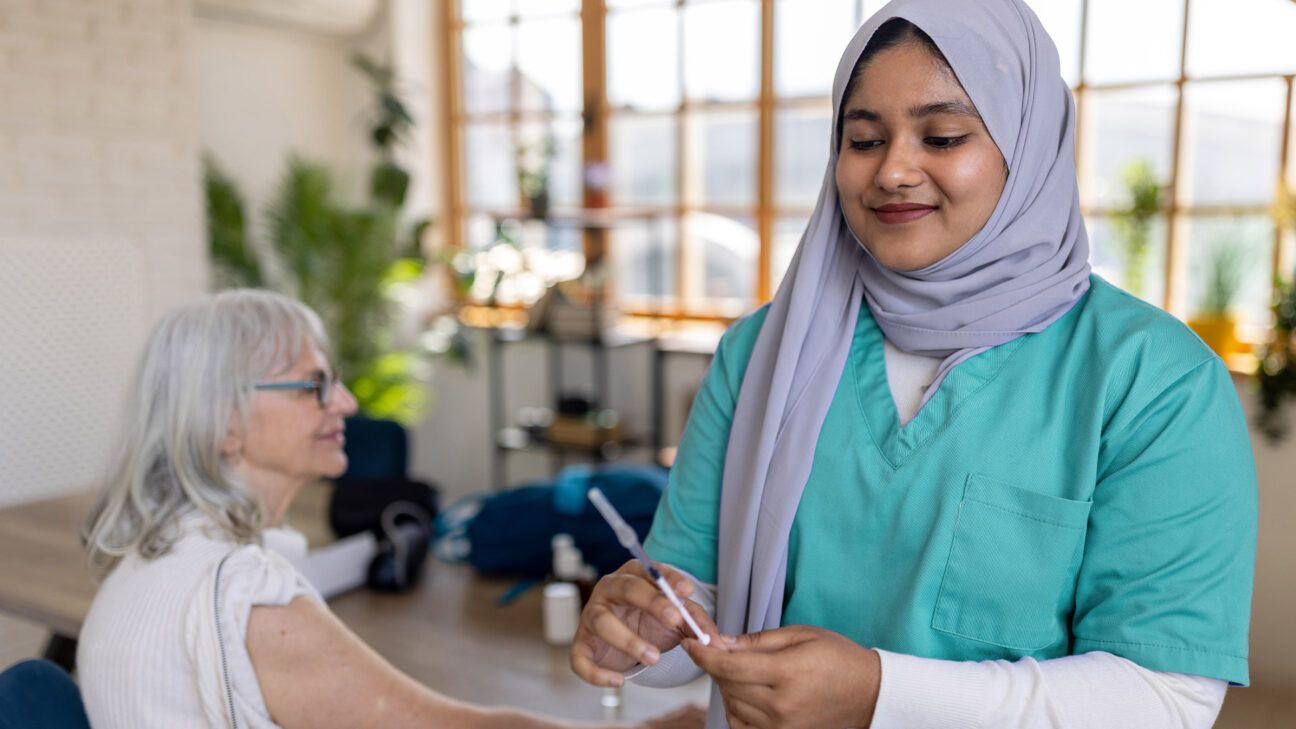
pixel 687 520
pixel 1169 557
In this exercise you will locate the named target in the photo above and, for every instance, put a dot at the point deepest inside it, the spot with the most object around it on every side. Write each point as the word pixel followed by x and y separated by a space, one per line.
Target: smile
pixel 905 213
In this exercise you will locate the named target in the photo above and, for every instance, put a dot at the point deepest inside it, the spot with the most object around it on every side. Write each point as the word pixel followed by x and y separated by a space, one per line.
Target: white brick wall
pixel 101 224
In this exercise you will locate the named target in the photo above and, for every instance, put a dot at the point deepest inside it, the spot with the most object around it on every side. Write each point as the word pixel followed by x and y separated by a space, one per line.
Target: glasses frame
pixel 323 387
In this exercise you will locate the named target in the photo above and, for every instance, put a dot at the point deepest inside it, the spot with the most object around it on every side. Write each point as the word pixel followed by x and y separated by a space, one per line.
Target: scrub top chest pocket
pixel 1014 554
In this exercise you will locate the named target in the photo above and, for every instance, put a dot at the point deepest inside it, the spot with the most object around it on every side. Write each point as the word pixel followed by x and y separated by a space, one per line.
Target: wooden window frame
pixel 595 143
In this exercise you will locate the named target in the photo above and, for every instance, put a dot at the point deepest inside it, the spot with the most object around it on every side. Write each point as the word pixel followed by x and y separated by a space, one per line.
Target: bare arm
pixel 314 672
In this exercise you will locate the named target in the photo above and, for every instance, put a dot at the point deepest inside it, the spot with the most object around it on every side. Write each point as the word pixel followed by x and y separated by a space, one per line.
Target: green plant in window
pixel 1133 223
pixel 533 161
pixel 1225 270
pixel 1277 370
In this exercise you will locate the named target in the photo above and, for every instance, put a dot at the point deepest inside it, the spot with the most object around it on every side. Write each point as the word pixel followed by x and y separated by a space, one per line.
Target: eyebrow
pixel 917 112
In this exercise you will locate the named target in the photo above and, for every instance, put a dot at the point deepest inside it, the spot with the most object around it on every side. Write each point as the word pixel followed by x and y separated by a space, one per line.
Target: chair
pixel 37 694
pixel 375 449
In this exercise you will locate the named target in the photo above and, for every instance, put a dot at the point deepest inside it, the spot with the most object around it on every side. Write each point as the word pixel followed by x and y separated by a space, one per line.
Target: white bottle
pixel 568 564
pixel 561 612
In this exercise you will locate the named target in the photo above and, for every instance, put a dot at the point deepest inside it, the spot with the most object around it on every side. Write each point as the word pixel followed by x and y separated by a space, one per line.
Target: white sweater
pixel 1089 691
pixel 149 654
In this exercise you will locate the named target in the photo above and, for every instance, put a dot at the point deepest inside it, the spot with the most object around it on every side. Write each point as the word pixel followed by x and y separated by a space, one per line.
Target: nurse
pixel 948 476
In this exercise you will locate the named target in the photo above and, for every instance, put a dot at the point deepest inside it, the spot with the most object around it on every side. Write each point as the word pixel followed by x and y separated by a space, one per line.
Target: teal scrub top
pixel 1090 487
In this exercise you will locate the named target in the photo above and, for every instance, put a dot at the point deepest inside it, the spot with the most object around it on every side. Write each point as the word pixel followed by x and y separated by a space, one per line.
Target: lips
pixel 334 436
pixel 896 213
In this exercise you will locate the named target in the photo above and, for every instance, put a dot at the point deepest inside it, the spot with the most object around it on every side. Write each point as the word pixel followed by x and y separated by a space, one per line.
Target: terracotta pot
pixel 1218 332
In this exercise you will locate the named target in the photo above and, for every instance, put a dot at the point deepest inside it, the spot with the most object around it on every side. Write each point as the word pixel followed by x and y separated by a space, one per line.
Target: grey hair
pixel 195 377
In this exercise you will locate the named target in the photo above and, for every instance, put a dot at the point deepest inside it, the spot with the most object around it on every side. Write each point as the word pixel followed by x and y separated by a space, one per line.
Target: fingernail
pixel 729 639
pixel 650 655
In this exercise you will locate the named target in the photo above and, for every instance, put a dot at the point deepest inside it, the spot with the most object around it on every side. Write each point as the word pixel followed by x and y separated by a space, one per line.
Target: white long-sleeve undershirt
pixel 1089 691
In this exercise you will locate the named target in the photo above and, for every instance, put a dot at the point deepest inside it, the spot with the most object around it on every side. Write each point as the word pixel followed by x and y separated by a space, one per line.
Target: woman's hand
pixel 796 677
pixel 629 621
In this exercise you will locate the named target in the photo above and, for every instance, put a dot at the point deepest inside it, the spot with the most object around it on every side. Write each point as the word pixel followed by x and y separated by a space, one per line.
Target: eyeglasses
pixel 323 386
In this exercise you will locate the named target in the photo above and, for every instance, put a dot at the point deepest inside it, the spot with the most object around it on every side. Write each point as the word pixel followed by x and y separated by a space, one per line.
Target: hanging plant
pixel 1277 371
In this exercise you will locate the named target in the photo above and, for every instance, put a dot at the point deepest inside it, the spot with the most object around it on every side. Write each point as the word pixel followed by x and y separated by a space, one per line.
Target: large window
pixel 713 116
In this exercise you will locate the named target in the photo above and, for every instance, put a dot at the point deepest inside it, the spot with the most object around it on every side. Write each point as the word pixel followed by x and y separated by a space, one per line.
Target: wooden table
pixel 448 633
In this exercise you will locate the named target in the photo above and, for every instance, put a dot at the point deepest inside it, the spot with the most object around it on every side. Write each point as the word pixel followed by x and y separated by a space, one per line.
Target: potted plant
pixel 1214 321
pixel 350 263
pixel 1133 223
pixel 1277 370
pixel 533 173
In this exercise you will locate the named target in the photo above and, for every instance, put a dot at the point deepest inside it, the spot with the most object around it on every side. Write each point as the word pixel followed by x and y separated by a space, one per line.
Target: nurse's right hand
pixel 629 621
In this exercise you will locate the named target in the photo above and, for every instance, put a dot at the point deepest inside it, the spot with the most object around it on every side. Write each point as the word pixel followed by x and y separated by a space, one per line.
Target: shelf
pixel 513 438
pixel 611 339
pixel 584 218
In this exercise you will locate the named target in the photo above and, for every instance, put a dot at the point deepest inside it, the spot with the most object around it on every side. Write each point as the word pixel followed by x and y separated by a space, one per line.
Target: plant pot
pixel 1218 332
pixel 539 204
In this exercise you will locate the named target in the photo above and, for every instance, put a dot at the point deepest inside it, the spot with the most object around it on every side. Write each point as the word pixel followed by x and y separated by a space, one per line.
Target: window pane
pixel 531 8
pixel 643 59
pixel 643 262
pixel 728 70
pixel 549 61
pixel 614 4
pixel 1134 41
pixel 1232 141
pixel 487 56
pixel 1061 18
pixel 481 231
pixel 1120 128
pixel 723 153
pixel 722 257
pixel 1237 248
pixel 787 235
pixel 1228 37
pixel 490 167
pixel 472 10
pixel 644 154
pixel 1111 258
pixel 801 142
pixel 807 46
pixel 544 235
pixel 563 137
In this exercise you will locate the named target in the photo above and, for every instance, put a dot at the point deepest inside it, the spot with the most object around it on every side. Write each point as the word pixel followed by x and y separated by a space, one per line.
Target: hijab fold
pixel 1022 271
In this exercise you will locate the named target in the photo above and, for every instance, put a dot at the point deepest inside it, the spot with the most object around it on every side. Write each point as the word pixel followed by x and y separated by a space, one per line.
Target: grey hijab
pixel 1021 272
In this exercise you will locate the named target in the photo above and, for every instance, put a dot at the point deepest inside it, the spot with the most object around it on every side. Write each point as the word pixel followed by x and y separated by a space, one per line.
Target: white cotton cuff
pixel 1089 691
pixel 676 668
pixel 927 693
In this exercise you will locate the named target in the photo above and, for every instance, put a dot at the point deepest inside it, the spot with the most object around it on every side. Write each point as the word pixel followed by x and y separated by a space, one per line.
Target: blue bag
pixel 509 533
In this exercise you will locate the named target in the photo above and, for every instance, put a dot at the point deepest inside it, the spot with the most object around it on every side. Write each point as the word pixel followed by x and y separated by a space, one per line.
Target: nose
pixel 900 168
pixel 342 402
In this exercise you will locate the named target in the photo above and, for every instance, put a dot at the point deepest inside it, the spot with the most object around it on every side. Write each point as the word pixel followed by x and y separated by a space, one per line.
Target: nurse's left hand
pixel 795 677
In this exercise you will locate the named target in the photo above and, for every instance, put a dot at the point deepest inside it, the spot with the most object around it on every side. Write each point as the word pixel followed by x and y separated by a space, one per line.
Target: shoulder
pixel 739 341
pixel 1125 330
pixel 1133 350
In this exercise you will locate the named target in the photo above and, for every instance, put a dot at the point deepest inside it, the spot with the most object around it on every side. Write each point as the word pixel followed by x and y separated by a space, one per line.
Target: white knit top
pixel 149 654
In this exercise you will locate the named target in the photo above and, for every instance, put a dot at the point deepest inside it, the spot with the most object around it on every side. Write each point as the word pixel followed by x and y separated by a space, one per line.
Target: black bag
pixel 400 513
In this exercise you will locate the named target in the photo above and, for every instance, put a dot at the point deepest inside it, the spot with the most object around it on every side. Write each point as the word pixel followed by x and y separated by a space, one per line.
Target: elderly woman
pixel 235 408
pixel 948 477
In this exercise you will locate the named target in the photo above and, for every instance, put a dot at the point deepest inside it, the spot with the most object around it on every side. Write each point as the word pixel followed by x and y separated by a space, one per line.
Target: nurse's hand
pixel 794 677
pixel 629 621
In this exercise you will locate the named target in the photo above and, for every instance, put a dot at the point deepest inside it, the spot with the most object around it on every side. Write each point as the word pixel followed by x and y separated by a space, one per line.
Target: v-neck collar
pixel 961 384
